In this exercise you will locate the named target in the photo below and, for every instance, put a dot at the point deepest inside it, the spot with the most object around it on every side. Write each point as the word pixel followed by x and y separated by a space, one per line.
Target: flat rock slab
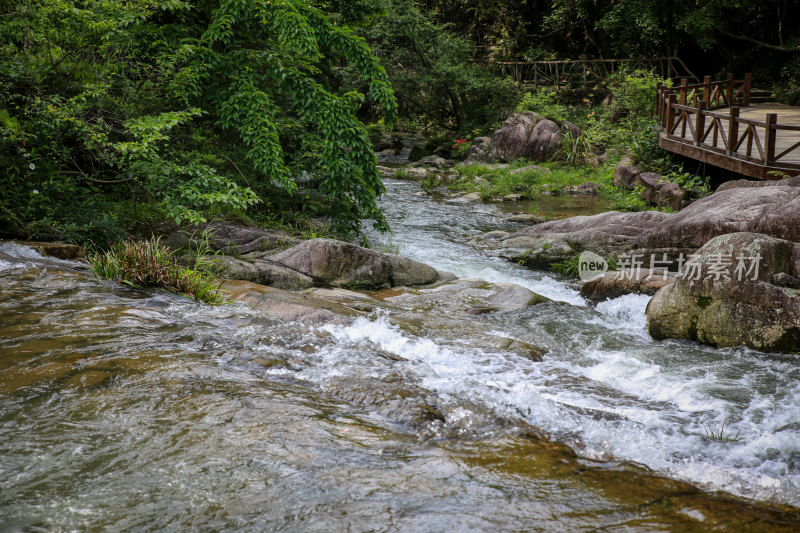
pixel 773 211
pixel 290 306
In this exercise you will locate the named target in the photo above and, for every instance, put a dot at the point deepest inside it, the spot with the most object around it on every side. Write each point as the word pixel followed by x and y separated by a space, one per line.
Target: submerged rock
pixel 727 295
pixel 468 198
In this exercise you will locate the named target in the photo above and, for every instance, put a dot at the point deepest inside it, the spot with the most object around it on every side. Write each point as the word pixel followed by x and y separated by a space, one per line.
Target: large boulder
pixel 231 239
pixel 735 184
pixel 337 263
pixel 733 292
pixel 527 136
pixel 773 211
pixel 661 192
pixel 625 173
pixel 332 262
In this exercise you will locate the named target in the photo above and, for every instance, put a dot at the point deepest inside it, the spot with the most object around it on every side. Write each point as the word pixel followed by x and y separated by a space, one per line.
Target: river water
pixel 142 410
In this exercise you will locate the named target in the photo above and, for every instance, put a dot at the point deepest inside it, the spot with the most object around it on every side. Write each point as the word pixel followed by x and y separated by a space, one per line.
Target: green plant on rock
pixel 144 264
pixel 545 103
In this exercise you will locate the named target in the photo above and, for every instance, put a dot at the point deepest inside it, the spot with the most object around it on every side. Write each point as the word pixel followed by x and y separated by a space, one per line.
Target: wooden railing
pixel 583 72
pixel 688 117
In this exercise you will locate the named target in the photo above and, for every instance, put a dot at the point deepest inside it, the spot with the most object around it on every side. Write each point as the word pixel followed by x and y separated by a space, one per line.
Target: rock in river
pixel 733 292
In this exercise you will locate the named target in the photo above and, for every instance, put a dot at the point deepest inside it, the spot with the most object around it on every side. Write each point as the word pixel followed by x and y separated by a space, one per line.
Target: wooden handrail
pixel 687 115
pixel 558 72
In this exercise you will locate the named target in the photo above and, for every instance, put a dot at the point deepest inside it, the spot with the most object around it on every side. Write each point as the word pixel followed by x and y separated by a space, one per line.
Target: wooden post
pixel 707 89
pixel 664 107
pixel 748 83
pixel 670 125
pixel 699 122
pixel 769 144
pixel 733 129
pixel 584 75
pixel 684 90
pixel 729 90
pixel 659 105
pixel 558 78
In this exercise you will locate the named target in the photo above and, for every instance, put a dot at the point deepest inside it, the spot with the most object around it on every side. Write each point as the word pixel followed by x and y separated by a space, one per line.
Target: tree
pixel 432 71
pixel 189 106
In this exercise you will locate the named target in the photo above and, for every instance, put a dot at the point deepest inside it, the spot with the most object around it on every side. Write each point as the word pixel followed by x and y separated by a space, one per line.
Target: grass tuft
pixel 143 264
pixel 721 435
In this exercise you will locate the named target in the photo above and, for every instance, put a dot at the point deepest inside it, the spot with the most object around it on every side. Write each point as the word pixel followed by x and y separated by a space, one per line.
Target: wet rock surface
pixel 728 296
pixel 617 283
pixel 772 211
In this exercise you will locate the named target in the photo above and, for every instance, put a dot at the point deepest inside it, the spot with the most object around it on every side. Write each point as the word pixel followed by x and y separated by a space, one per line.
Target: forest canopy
pixel 186 109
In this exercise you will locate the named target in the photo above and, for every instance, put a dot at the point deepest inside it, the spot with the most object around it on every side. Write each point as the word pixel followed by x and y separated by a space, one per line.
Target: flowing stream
pixel 142 410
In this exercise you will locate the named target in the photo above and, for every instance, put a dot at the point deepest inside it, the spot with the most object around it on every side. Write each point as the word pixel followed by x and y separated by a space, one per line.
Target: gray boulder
pixel 331 262
pixel 727 295
pixel 526 135
pixel 230 239
pixel 659 191
pixel 407 272
pixel 736 184
pixel 328 262
pixel 625 173
pixel 617 283
pixel 468 198
pixel 479 151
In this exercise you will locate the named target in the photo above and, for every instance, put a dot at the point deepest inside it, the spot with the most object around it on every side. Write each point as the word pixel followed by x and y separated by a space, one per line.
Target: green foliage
pixel 144 264
pixel 547 177
pixel 432 73
pixel 196 109
pixel 634 93
pixel 545 103
pixel 568 267
pixel 573 149
pixel 623 199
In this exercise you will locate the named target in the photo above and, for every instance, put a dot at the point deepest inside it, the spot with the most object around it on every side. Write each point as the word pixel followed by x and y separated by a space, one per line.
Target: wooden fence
pixel 585 72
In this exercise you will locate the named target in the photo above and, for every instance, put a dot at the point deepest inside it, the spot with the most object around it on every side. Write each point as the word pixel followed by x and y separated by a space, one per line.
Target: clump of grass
pixel 143 264
pixel 721 435
pixel 568 267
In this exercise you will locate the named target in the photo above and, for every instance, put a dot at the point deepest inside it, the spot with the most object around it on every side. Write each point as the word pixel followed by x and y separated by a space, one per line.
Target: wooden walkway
pixel 714 122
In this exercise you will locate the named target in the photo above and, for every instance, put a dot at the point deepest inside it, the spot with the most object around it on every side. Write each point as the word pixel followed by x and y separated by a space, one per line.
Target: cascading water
pixel 142 410
pixel 605 385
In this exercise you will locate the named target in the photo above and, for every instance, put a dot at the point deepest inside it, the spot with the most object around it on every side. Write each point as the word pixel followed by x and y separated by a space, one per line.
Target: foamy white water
pixel 604 386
